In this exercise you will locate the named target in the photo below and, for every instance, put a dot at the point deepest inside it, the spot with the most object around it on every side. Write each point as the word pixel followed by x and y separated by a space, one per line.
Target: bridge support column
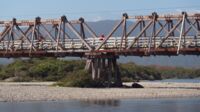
pixel 106 69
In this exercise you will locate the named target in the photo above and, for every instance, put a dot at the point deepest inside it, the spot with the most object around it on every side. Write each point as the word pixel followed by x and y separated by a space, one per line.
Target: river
pixel 197 80
pixel 124 105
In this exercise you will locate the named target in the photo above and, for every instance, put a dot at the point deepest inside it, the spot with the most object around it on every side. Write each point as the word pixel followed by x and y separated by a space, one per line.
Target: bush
pixel 16 69
pixel 44 69
pixel 131 71
pixel 179 73
pixel 80 78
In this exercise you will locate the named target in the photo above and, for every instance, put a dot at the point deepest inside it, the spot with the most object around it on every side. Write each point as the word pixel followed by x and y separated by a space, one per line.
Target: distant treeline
pixel 52 69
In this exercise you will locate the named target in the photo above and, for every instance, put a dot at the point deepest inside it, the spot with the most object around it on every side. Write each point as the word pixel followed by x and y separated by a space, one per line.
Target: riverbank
pixel 45 92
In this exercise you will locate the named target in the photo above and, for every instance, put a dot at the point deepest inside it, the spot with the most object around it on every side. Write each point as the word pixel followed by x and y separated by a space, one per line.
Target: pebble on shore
pixel 44 92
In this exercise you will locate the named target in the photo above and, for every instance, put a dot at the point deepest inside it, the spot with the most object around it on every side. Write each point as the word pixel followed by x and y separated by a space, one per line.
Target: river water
pixel 180 80
pixel 124 105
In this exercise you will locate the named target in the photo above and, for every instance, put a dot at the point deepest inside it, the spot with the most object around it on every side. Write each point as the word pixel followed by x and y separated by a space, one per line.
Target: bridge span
pixel 139 36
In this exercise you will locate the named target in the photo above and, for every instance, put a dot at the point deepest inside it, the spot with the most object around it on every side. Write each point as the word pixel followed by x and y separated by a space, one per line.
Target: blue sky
pixel 92 10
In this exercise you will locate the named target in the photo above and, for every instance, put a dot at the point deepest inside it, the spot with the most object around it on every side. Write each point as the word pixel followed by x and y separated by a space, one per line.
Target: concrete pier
pixel 105 68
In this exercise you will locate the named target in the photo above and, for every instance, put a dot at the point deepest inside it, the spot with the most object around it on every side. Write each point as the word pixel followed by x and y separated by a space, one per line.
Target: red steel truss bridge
pixel 139 36
pixel 147 35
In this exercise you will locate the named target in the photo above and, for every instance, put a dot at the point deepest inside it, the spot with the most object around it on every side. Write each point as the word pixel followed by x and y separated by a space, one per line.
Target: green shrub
pixel 136 72
pixel 44 69
pixel 80 78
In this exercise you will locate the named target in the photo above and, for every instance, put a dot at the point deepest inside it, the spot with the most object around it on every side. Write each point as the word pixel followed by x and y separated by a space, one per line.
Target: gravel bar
pixel 43 91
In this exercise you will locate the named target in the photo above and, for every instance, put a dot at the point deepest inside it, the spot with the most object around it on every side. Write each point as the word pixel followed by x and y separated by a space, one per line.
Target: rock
pixel 136 85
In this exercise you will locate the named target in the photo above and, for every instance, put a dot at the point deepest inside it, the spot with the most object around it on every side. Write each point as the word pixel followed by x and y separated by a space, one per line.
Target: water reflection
pixel 106 102
pixel 126 105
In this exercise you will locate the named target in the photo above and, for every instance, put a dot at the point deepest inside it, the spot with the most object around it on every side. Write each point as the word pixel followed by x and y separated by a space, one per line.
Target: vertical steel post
pixel 37 20
pixel 64 30
pixel 58 35
pixel 181 33
pixel 124 37
pixel 10 34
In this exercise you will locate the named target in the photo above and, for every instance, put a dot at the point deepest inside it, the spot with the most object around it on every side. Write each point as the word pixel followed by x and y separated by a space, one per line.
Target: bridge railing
pixel 112 43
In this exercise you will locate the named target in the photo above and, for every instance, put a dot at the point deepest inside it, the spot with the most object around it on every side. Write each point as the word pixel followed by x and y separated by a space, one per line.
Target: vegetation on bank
pixel 72 73
pixel 80 78
pixel 45 69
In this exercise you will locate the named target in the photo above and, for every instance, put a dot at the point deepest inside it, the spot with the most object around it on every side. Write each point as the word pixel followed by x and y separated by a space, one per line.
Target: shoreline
pixel 43 91
pixel 116 99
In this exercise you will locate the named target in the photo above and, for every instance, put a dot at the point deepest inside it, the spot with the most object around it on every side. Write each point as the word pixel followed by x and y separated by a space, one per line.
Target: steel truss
pixel 144 36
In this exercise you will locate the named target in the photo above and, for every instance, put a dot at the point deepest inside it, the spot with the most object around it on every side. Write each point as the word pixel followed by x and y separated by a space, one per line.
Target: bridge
pixel 146 35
